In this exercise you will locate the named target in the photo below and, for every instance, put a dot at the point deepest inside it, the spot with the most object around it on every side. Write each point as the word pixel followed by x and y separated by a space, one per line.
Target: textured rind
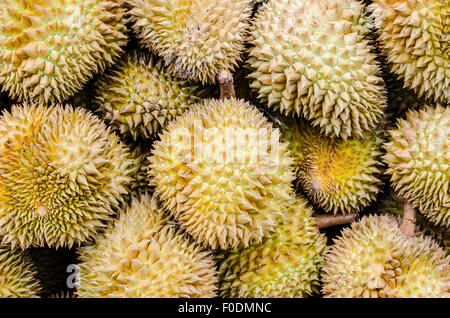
pixel 62 173
pixel 418 159
pixel 143 255
pixel 312 59
pixel 50 48
pixel 139 96
pixel 139 155
pixel 231 191
pixel 195 38
pixel 340 176
pixel 285 264
pixel 415 39
pixel 16 274
pixel 373 258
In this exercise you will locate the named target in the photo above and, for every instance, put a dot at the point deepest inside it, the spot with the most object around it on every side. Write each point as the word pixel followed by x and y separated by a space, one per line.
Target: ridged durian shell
pixel 196 38
pixel 415 38
pixel 139 96
pixel 62 172
pixel 224 189
pixel 50 48
pixel 418 158
pixel 143 255
pixel 372 258
pixel 285 264
pixel 16 274
pixel 311 58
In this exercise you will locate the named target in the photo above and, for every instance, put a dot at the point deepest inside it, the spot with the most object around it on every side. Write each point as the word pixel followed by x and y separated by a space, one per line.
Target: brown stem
pixel 409 219
pixel 225 79
pixel 324 221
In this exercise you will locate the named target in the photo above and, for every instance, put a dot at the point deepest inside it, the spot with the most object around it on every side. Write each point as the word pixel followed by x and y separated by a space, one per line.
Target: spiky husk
pixel 222 172
pixel 310 58
pixel 62 172
pixel 285 264
pixel 50 48
pixel 373 258
pixel 390 203
pixel 415 39
pixel 418 158
pixel 139 183
pixel 139 96
pixel 16 274
pixel 143 255
pixel 340 176
pixel 196 38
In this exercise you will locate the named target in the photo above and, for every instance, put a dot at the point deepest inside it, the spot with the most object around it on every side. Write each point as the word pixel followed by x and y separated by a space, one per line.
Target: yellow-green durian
pixel 195 38
pixel 139 96
pixel 418 159
pixel 373 258
pixel 16 274
pixel 144 255
pixel 285 264
pixel 139 155
pixel 340 176
pixel 311 58
pixel 62 172
pixel 415 38
pixel 50 48
pixel 222 172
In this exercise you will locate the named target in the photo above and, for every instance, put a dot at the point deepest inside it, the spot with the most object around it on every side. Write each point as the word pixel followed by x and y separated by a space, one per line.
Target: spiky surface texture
pixel 418 158
pixel 139 96
pixel 285 264
pixel 196 38
pixel 415 39
pixel 62 171
pixel 16 274
pixel 340 176
pixel 144 255
pixel 373 258
pixel 392 204
pixel 310 58
pixel 50 48
pixel 222 172
pixel 140 181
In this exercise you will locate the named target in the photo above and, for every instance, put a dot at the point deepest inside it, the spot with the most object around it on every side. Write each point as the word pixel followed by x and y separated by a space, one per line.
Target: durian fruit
pixel 285 264
pixel 139 96
pixel 195 38
pixel 16 274
pixel 373 258
pixel 50 48
pixel 139 155
pixel 418 159
pixel 390 203
pixel 143 255
pixel 339 176
pixel 222 172
pixel 415 38
pixel 311 58
pixel 62 173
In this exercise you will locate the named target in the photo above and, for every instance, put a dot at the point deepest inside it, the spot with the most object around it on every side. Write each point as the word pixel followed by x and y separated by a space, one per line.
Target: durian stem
pixel 409 219
pixel 324 221
pixel 225 79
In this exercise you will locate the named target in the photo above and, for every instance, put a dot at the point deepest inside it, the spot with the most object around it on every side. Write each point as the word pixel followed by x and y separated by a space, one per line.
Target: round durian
pixel 415 38
pixel 373 258
pixel 285 264
pixel 139 96
pixel 339 176
pixel 222 172
pixel 311 58
pixel 418 159
pixel 195 38
pixel 16 274
pixel 143 255
pixel 62 173
pixel 50 48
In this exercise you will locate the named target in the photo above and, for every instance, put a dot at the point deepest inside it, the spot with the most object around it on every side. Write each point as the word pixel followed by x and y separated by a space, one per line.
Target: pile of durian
pixel 119 119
